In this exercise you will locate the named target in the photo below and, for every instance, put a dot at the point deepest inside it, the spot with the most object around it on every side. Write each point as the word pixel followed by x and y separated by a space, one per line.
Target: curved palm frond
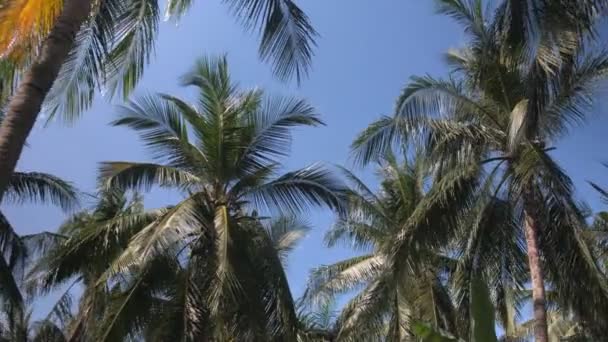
pixel 41 187
pixel 26 23
pixel 326 282
pixel 469 13
pixel 135 176
pixel 288 37
pixel 363 317
pixel 271 136
pixel 163 130
pixel 83 70
pixel 285 233
pixel 135 27
pixel 132 303
pixel 297 190
pixel 573 98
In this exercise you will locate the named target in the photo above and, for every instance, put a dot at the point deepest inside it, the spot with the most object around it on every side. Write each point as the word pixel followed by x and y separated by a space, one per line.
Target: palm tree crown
pixel 223 154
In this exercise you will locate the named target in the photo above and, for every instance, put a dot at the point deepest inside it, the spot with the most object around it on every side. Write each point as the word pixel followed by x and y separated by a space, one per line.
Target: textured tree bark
pixel 25 105
pixel 541 333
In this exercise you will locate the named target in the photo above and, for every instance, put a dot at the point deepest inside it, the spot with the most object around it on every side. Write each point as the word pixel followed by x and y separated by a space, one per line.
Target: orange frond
pixel 26 22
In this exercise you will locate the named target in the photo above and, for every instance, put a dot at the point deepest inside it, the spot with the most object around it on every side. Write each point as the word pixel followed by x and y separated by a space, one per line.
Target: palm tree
pixel 493 121
pixel 396 291
pixel 18 252
pixel 27 187
pixel 88 242
pixel 60 51
pixel 222 153
pixel 93 240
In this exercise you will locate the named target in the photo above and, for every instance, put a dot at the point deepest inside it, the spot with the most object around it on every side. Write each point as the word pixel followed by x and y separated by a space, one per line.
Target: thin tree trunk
pixel 26 103
pixel 541 333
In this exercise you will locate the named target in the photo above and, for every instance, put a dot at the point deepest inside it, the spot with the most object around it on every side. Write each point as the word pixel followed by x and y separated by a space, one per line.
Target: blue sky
pixel 366 53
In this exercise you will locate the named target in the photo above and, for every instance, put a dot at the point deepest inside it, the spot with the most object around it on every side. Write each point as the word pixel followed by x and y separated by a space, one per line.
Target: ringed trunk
pixel 26 103
pixel 541 333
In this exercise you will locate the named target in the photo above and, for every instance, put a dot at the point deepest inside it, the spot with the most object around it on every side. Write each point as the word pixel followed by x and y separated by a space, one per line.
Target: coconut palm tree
pixel 15 250
pixel 93 239
pixel 223 154
pixel 437 280
pixel 499 116
pixel 18 252
pixel 60 51
pixel 395 292
pixel 88 242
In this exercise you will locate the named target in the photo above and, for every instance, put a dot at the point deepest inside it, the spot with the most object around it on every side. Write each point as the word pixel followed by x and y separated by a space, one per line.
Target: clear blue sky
pixel 367 52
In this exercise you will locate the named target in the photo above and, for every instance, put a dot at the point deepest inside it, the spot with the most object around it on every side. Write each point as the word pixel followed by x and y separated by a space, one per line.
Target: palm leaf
pixel 288 37
pixel 271 126
pixel 297 190
pixel 83 70
pixel 326 282
pixel 41 187
pixel 128 175
pixel 285 233
pixel 136 29
pixel 161 126
pixel 26 23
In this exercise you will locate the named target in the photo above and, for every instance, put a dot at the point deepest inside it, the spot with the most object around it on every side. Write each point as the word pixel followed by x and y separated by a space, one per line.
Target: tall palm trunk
pixel 541 333
pixel 25 105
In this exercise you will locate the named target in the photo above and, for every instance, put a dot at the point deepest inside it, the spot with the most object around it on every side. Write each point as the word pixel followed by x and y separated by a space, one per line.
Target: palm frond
pixel 25 23
pixel 136 28
pixel 435 219
pixel 573 98
pixel 271 126
pixel 227 285
pixel 83 70
pixel 603 192
pixel 88 250
pixel 363 316
pixel 48 332
pixel 288 38
pixel 355 234
pixel 469 13
pixel 378 138
pixel 130 307
pixel 128 175
pixel 11 249
pixel 285 233
pixel 161 126
pixel 297 190
pixel 41 188
pixel 211 75
pixel 357 184
pixel 177 8
pixel 273 294
pixel 326 282
pixel 166 231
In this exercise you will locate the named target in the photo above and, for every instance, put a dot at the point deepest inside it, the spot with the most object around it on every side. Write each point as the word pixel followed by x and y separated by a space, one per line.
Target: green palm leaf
pixel 136 28
pixel 297 190
pixel 135 176
pixel 288 37
pixel 41 187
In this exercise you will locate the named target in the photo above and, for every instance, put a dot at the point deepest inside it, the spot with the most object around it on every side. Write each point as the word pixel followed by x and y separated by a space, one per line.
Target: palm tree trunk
pixel 26 103
pixel 541 333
